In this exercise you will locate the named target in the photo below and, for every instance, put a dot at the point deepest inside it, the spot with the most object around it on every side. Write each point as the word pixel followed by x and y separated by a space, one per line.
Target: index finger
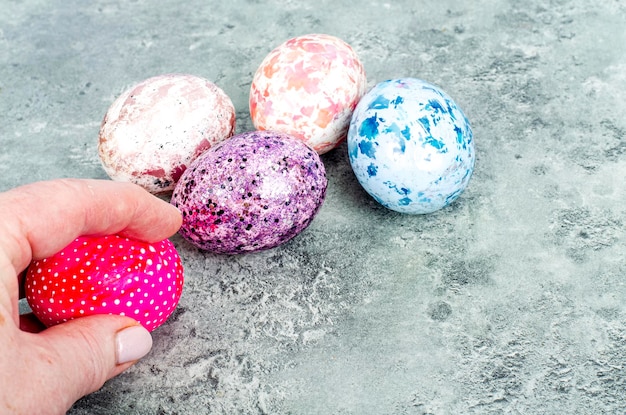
pixel 41 218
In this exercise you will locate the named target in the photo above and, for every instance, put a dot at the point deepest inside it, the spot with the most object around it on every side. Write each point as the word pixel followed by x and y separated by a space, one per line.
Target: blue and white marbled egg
pixel 410 146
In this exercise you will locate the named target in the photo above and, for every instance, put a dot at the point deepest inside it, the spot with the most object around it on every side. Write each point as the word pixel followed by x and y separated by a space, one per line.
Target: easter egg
pixel 251 192
pixel 410 146
pixel 308 87
pixel 106 275
pixel 153 130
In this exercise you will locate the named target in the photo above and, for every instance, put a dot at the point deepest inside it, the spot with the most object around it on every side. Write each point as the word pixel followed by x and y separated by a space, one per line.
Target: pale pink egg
pixel 155 129
pixel 308 87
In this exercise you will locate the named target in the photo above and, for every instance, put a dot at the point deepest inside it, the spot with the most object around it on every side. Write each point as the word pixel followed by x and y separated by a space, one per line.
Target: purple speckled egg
pixel 251 192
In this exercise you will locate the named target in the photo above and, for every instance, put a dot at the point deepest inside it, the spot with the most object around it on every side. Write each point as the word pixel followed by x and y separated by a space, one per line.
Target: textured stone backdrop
pixel 512 300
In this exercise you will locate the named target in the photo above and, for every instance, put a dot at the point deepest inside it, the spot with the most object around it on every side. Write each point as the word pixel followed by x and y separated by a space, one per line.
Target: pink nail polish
pixel 132 344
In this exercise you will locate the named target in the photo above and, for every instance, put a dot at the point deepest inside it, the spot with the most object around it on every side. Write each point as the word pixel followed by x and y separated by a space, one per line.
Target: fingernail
pixel 132 344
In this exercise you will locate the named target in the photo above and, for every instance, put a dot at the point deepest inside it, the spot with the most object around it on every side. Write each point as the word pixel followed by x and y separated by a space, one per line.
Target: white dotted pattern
pixel 107 275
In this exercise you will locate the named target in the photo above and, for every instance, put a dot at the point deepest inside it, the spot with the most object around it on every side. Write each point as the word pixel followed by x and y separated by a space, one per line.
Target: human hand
pixel 45 372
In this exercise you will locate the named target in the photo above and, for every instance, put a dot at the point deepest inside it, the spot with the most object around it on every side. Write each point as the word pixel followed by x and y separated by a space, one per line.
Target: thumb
pixel 84 353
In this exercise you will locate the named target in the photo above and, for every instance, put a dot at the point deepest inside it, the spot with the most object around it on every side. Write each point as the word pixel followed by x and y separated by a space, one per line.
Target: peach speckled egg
pixel 308 87
pixel 155 129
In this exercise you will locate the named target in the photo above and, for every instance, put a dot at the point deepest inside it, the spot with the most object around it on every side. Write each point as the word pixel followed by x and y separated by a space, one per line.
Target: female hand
pixel 45 372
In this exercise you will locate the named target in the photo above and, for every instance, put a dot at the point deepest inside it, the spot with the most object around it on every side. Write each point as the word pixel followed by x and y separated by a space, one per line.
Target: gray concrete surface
pixel 511 301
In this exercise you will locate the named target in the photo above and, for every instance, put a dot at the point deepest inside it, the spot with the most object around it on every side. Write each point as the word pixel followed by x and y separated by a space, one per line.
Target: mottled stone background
pixel 510 301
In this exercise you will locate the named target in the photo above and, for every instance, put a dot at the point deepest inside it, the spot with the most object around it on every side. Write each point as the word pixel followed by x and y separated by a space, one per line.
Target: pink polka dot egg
pixel 308 87
pixel 106 275
pixel 155 129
